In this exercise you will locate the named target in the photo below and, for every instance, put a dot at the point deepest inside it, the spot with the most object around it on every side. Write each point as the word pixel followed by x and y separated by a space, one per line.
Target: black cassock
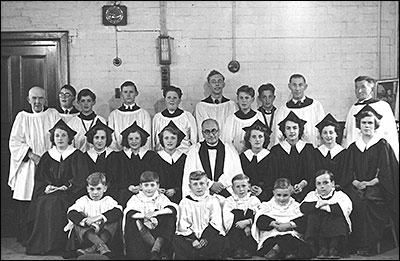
pixel 295 166
pixel 260 174
pixel 371 209
pixel 47 213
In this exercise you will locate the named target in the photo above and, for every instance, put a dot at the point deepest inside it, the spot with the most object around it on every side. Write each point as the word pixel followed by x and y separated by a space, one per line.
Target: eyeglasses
pixel 208 132
pixel 66 95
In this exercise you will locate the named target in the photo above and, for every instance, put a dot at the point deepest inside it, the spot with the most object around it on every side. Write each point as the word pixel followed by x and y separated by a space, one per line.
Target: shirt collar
pixel 141 152
pixel 286 146
pixel 56 155
pixel 301 100
pixel 361 144
pixel 170 158
pixel 334 151
pixel 261 155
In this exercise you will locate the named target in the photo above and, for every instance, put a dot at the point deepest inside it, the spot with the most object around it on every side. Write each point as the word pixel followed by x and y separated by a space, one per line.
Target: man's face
pixel 172 100
pixel 36 99
pixel 363 90
pixel 129 94
pixel 66 98
pixel 199 187
pixel 244 101
pixel 324 184
pixel 86 103
pixel 297 86
pixel 216 83
pixel 210 132
pixel 267 99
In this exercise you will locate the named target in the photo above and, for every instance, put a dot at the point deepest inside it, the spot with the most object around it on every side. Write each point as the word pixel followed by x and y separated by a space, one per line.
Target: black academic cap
pixel 258 125
pixel 329 120
pixel 365 109
pixel 133 128
pixel 63 126
pixel 292 117
pixel 171 124
pixel 98 126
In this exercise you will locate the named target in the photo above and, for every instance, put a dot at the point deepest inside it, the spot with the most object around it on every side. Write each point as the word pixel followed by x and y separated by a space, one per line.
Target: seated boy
pixel 200 233
pixel 238 214
pixel 328 211
pixel 94 218
pixel 278 223
pixel 149 221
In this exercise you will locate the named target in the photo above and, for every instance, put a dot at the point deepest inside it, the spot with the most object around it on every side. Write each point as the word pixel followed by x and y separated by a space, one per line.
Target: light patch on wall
pixel 183 46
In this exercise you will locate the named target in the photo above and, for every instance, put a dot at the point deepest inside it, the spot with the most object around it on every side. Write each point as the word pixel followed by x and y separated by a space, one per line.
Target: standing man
pixel 266 96
pixel 304 107
pixel 219 160
pixel 129 112
pixel 29 139
pixel 364 87
pixel 66 98
pixel 215 106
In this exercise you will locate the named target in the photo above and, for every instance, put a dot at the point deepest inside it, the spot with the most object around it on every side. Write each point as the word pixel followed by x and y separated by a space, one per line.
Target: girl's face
pixel 281 196
pixel 256 139
pixel 61 139
pixel 172 100
pixel 149 188
pixel 99 140
pixel 170 140
pixel 367 126
pixel 96 192
pixel 241 187
pixel 134 141
pixel 292 131
pixel 328 135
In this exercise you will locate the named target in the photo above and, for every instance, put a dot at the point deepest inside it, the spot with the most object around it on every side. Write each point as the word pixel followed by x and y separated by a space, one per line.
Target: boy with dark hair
pixel 66 97
pixel 266 96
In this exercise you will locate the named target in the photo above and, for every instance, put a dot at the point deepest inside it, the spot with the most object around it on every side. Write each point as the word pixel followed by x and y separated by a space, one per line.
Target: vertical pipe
pixel 163 17
pixel 379 47
pixel 233 30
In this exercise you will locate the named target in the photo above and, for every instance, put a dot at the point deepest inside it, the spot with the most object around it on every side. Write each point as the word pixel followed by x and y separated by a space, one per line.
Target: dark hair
pixel 173 131
pixel 129 83
pixel 97 128
pixel 214 72
pixel 96 178
pixel 172 88
pixel 86 92
pixel 61 127
pixel 247 89
pixel 282 183
pixel 325 171
pixel 69 87
pixel 329 123
pixel 247 136
pixel 197 175
pixel 297 75
pixel 143 138
pixel 364 114
pixel 240 177
pixel 301 129
pixel 149 176
pixel 266 87
pixel 365 78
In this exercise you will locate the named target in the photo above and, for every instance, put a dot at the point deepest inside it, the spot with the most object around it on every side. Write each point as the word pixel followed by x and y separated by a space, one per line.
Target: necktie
pixel 66 111
pixel 328 156
pixel 61 159
pixel 216 101
pixel 254 160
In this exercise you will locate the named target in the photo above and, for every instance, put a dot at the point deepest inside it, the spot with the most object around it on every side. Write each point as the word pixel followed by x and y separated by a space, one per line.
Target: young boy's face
pixel 216 83
pixel 199 187
pixel 96 192
pixel 241 187
pixel 281 196
pixel 99 140
pixel 86 103
pixel 129 94
pixel 149 188
pixel 267 98
pixel 244 100
pixel 134 140
pixel 324 184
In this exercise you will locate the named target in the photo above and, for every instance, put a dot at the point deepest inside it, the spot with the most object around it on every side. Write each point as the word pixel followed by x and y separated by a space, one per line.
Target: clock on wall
pixel 115 15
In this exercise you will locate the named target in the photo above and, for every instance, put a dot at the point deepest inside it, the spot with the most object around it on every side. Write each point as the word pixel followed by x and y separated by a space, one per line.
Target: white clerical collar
pixel 361 144
pixel 129 107
pixel 286 146
pixel 56 155
pixel 64 109
pixel 141 152
pixel 301 100
pixel 334 151
pixel 93 154
pixel 261 155
pixel 170 158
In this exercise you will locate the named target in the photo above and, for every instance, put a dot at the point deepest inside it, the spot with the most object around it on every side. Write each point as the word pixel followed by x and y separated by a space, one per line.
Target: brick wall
pixel 329 42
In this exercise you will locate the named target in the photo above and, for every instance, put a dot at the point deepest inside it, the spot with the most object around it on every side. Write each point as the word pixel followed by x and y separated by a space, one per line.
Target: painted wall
pixel 329 42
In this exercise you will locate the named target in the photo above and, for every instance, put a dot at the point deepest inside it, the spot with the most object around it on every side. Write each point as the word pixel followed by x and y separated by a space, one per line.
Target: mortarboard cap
pixel 63 126
pixel 366 109
pixel 328 120
pixel 171 124
pixel 133 128
pixel 98 126
pixel 292 117
pixel 258 125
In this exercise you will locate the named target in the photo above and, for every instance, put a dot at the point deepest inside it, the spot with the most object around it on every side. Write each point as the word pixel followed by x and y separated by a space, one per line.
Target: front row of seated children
pixel 199 228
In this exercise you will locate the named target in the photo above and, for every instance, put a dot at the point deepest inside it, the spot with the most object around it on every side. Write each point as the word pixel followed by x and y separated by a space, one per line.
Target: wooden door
pixel 27 59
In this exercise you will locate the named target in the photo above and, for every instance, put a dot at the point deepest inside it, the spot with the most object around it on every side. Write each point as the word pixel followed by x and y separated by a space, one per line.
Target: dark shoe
pixel 154 255
pixel 87 251
pixel 238 254
pixel 333 253
pixel 290 256
pixel 272 254
pixel 323 253
pixel 247 254
pixel 103 249
pixel 362 253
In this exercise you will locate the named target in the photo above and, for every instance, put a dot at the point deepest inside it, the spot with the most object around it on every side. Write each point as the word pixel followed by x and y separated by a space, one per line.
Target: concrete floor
pixel 11 250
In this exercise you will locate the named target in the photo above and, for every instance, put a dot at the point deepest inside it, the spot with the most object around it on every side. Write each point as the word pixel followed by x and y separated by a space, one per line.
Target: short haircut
pixel 207 120
pixel 364 114
pixel 248 133
pixel 282 183
pixel 70 88
pixel 214 72
pixel 173 131
pixel 246 89
pixel 149 176
pixel 61 127
pixel 96 178
pixel 129 83
pixel 86 92
pixel 172 88
pixel 240 177
pixel 266 87
pixel 365 78
pixel 301 129
pixel 325 171
pixel 297 75
pixel 143 138
pixel 197 175
pixel 97 128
